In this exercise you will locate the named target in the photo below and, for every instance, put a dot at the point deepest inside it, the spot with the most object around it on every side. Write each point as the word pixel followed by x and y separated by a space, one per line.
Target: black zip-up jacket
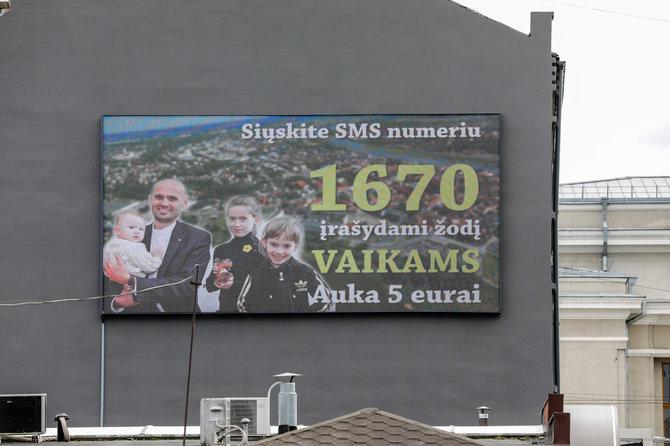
pixel 243 253
pixel 283 289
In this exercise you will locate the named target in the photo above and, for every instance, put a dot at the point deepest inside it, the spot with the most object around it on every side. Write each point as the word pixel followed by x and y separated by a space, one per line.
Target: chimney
pixel 287 402
pixel 483 415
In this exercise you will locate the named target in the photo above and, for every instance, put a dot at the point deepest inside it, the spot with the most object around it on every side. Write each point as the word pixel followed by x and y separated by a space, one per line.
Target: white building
pixel 614 284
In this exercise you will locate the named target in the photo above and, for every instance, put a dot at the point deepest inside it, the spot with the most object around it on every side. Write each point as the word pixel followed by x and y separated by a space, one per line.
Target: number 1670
pixel 362 184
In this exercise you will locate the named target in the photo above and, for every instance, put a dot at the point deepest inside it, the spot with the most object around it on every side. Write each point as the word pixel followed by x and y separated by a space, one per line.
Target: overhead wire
pixel 84 299
pixel 609 11
pixel 576 398
pixel 570 398
pixel 606 279
pixel 254 318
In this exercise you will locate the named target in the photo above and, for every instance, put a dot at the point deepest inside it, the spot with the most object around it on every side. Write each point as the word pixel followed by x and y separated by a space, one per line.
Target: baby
pixel 127 243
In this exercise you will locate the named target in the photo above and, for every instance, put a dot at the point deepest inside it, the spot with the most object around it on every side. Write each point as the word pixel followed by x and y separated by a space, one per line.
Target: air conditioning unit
pixel 214 415
pixel 255 409
pixel 218 412
pixel 23 414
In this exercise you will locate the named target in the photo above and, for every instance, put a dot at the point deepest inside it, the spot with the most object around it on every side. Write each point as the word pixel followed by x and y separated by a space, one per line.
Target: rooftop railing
pixel 615 193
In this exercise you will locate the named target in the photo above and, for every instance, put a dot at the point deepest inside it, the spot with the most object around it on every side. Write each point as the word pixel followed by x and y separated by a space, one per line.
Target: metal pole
pixel 605 234
pixel 560 80
pixel 102 373
pixel 190 353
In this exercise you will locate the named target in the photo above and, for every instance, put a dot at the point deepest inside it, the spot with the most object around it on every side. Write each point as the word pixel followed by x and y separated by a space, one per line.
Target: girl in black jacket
pixel 235 259
pixel 281 283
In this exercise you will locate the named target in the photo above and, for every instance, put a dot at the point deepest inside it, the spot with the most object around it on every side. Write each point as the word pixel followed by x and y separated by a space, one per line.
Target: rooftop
pixel 624 189
pixel 369 427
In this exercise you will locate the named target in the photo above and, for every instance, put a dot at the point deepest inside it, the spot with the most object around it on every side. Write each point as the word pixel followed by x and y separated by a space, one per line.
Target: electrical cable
pixel 608 11
pixel 231 427
pixel 570 400
pixel 84 299
pixel 196 284
pixel 605 279
pixel 576 398
pixel 349 367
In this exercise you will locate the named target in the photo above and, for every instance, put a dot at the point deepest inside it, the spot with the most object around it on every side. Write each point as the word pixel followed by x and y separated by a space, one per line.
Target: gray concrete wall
pixel 63 64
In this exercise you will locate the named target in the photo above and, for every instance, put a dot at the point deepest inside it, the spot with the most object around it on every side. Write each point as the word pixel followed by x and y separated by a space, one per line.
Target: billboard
pixel 296 214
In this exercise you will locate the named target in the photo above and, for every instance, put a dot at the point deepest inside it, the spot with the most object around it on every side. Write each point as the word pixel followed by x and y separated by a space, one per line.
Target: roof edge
pixel 614 179
pixel 536 19
pixel 371 411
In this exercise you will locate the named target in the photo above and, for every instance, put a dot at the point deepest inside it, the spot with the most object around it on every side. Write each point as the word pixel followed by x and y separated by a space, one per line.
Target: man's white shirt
pixel 159 241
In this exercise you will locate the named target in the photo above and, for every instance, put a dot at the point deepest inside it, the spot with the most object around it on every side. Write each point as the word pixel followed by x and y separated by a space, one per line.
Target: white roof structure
pixel 617 189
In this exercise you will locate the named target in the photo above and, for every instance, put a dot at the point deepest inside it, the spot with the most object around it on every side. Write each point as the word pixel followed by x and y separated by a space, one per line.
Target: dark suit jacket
pixel 187 247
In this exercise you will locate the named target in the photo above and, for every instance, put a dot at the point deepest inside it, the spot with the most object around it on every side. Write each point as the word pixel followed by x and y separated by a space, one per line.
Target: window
pixel 666 399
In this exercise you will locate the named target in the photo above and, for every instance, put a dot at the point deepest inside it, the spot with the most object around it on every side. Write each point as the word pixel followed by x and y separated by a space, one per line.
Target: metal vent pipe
pixel 287 402
pixel 483 412
pixel 288 407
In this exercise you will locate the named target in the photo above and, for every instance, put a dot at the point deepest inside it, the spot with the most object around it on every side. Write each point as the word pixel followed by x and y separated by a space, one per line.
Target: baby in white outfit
pixel 127 243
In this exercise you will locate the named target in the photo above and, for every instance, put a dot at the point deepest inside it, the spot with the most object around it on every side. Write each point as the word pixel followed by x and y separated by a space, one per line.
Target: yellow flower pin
pixel 246 248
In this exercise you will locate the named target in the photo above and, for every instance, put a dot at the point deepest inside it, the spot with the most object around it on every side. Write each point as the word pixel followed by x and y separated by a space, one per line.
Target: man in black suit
pixel 181 246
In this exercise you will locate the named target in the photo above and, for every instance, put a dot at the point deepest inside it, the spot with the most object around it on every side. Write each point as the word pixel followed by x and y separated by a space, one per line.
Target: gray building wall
pixel 65 64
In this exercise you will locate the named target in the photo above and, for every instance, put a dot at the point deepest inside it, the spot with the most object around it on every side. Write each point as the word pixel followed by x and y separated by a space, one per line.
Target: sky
pixel 616 106
pixel 121 124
